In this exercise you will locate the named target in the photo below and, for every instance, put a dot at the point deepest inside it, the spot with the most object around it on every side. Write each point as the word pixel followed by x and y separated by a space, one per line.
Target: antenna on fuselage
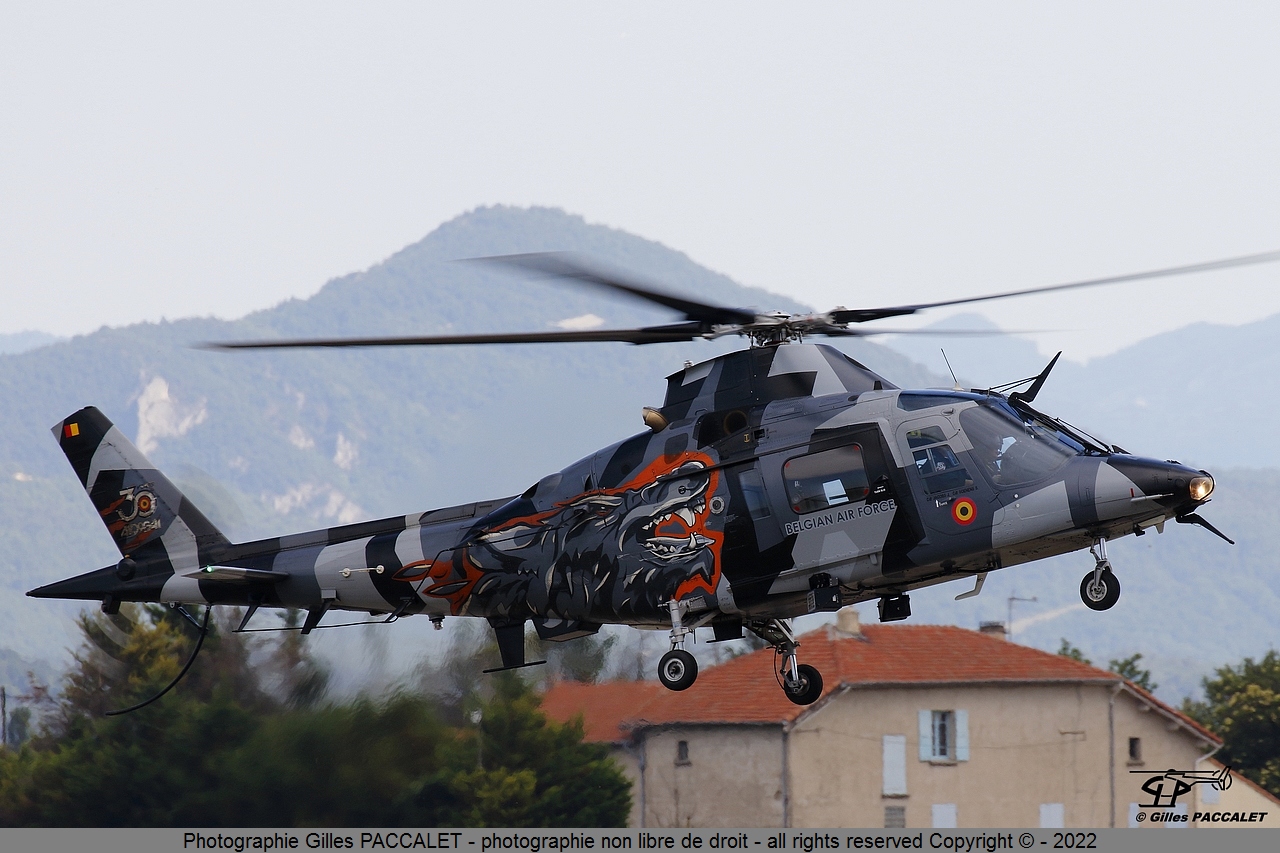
pixel 955 382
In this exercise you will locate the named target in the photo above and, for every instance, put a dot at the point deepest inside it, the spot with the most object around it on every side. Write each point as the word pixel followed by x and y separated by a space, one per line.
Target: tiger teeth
pixel 686 515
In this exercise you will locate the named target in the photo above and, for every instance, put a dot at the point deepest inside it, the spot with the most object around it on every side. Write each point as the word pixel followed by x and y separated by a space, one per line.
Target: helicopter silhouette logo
pixel 1166 787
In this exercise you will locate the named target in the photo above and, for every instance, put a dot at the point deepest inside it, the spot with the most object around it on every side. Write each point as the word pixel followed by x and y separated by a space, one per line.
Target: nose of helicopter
pixel 1145 484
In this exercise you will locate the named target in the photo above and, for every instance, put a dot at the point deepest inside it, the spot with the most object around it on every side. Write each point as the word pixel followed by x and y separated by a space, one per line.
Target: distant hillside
pixel 282 441
pixel 15 342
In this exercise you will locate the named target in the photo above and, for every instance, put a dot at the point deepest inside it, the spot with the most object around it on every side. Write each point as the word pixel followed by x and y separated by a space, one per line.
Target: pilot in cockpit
pixel 988 448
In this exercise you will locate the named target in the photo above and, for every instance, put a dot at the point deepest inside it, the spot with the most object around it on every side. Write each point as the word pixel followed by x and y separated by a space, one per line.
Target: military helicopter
pixel 775 481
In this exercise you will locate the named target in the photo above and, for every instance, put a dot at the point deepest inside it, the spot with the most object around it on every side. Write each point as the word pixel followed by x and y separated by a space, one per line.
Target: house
pixel 917 726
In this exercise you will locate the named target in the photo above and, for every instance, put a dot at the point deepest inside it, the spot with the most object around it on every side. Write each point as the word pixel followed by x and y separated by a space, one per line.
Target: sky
pixel 163 160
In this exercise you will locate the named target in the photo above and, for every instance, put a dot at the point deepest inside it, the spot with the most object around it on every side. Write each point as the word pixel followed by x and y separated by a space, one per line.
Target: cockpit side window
pixel 1013 451
pixel 940 469
pixel 826 479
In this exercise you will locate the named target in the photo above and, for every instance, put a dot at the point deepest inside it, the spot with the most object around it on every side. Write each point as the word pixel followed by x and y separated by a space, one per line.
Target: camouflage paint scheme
pixel 698 512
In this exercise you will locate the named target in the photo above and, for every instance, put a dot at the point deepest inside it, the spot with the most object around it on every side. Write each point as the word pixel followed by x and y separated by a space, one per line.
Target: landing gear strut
pixel 1100 589
pixel 678 669
pixel 801 683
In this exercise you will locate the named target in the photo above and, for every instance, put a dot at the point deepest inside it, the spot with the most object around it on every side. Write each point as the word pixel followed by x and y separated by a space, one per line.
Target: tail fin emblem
pixel 71 430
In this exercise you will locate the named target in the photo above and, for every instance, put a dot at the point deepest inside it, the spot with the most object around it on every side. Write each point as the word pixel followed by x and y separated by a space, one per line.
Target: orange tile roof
pixel 1170 711
pixel 604 707
pixel 744 690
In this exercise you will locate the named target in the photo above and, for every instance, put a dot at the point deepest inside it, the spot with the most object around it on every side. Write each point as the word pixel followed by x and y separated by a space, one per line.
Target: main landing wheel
pixel 1102 595
pixel 808 687
pixel 677 670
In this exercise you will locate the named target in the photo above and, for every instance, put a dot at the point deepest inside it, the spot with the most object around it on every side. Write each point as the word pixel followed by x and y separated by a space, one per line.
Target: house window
pixel 943 725
pixel 944 735
pixel 895 817
pixel 682 752
pixel 894 749
pixel 944 815
pixel 1135 750
pixel 1052 815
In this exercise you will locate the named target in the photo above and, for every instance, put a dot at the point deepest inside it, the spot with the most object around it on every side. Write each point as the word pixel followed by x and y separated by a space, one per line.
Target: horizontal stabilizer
pixel 232 574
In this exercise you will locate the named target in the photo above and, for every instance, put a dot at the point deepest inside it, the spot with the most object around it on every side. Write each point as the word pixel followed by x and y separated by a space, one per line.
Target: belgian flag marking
pixel 71 430
pixel 964 511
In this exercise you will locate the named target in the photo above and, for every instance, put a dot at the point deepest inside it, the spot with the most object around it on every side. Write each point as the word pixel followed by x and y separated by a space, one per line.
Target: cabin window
pixel 826 479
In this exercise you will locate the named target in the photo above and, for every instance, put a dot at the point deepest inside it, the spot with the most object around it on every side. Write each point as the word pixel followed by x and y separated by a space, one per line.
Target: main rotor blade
pixel 843 332
pixel 566 265
pixel 863 315
pixel 648 335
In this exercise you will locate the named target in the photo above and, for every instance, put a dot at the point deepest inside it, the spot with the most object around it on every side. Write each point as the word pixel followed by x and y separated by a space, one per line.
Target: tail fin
pixel 144 512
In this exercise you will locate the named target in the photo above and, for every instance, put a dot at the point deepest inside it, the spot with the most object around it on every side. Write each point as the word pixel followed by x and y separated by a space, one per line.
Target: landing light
pixel 1201 488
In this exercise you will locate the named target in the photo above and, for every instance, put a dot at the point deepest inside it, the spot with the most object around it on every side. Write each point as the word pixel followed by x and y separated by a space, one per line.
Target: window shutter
pixel 962 735
pixel 895 765
pixel 926 735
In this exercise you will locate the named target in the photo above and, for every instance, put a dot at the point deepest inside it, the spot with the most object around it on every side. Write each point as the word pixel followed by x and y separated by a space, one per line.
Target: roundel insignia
pixel 964 511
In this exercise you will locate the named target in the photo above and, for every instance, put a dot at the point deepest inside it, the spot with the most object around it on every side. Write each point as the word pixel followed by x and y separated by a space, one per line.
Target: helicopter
pixel 774 481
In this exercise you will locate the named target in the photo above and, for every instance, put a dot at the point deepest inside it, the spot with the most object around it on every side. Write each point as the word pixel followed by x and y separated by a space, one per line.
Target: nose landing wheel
pixel 1100 589
pixel 1100 594
pixel 677 670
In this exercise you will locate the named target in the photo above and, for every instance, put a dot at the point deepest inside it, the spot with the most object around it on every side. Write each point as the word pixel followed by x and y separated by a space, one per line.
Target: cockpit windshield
pixel 1014 448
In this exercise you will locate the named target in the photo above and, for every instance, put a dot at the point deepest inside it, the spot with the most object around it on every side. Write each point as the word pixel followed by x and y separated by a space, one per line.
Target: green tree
pixel 302 681
pixel 1128 668
pixel 150 767
pixel 1069 651
pixel 221 751
pixel 532 772
pixel 1242 704
pixel 18 728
